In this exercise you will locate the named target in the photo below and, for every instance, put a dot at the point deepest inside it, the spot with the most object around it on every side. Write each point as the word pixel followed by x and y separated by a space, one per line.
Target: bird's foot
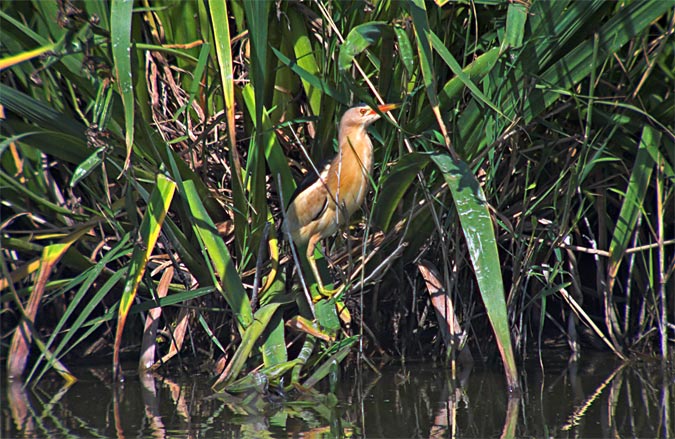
pixel 333 294
pixel 325 293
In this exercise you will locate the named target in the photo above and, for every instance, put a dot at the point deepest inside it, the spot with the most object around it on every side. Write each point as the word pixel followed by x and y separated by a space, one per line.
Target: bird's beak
pixel 387 107
pixel 383 109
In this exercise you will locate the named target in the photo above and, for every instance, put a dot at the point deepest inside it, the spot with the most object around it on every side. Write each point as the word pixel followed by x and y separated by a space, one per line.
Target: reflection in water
pixel 592 398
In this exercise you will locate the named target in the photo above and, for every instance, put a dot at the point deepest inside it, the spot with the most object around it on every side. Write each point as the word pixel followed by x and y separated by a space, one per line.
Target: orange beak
pixel 386 107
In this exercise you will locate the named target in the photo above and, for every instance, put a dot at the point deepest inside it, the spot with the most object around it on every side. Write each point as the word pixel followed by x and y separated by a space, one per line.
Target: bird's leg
pixel 311 246
pixel 312 262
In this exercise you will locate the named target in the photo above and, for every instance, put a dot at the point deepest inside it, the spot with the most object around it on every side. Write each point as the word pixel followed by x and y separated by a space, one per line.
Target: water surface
pixel 595 397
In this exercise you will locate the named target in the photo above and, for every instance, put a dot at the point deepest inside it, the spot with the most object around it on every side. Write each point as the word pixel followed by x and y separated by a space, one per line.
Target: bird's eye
pixel 363 111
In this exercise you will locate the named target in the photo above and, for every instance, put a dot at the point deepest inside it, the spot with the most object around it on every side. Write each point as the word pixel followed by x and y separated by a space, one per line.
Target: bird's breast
pixel 351 169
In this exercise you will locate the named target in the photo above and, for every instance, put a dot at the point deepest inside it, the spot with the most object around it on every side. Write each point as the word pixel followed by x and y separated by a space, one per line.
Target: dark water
pixel 595 397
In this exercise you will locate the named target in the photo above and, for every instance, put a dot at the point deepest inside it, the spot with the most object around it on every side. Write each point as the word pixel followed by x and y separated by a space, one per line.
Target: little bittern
pixel 323 202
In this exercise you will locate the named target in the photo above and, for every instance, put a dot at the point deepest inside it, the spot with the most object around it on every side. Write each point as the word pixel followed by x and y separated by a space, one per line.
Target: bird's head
pixel 363 115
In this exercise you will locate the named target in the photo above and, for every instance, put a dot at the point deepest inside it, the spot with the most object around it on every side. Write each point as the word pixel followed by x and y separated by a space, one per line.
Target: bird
pixel 331 193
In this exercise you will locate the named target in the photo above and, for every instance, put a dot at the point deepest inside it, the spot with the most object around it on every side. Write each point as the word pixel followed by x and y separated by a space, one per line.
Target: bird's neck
pixel 356 148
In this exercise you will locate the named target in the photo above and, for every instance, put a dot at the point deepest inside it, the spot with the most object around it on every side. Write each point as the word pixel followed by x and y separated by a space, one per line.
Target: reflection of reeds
pixel 580 412
pixel 405 400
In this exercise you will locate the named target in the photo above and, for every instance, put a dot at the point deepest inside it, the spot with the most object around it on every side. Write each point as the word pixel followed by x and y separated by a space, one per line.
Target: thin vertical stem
pixel 660 260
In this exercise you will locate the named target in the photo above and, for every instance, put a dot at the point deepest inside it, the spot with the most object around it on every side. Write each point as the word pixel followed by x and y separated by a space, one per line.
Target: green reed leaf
pixel 481 242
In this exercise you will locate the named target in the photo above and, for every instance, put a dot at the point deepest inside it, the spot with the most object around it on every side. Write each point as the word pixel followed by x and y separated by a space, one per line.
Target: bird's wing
pixel 310 178
pixel 315 207
pixel 308 202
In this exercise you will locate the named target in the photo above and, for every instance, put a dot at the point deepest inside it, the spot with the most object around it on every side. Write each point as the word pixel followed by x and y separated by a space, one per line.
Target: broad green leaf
pixel 450 60
pixel 358 40
pixel 232 288
pixel 405 49
pixel 254 177
pixel 257 13
pixel 304 54
pixel 150 228
pixel 11 60
pixel 516 17
pixel 481 242
pixel 21 340
pixel 121 12
pixel 341 350
pixel 88 166
pixel 633 202
pixel 221 35
pixel 258 381
pixel 326 314
pixel 422 31
pixel 303 358
pixel 274 347
pixel 248 340
pixel 191 250
pixel 425 55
